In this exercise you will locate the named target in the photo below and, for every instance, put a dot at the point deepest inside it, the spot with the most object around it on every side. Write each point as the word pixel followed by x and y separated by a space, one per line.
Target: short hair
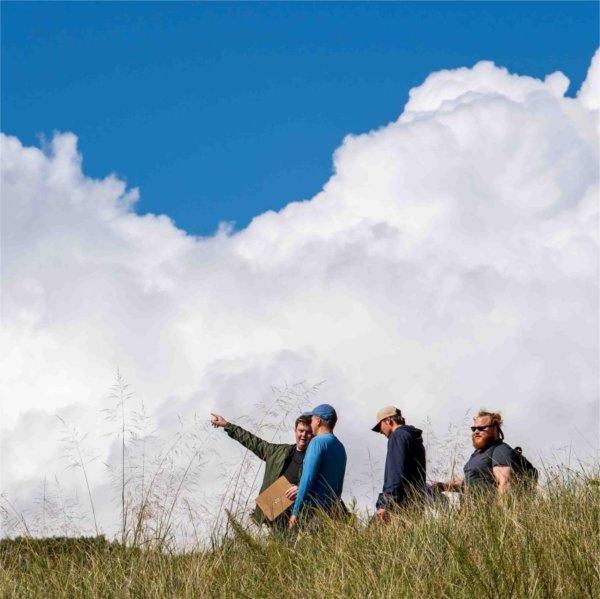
pixel 302 420
pixel 398 418
pixel 496 420
pixel 329 423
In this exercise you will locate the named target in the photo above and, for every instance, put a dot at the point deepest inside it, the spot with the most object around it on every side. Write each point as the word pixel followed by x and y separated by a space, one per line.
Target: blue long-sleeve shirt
pixel 404 467
pixel 322 473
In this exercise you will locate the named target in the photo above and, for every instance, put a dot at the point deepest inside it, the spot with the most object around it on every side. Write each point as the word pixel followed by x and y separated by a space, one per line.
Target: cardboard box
pixel 272 501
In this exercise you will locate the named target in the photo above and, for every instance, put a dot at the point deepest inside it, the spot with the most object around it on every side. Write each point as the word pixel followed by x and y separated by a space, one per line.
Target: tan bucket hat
pixel 385 413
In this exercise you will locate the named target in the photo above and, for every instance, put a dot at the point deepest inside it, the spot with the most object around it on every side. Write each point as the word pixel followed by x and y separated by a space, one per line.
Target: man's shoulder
pixel 338 442
pixel 501 454
pixel 319 440
pixel 498 445
pixel 327 440
pixel 315 447
pixel 401 434
pixel 501 448
pixel 474 454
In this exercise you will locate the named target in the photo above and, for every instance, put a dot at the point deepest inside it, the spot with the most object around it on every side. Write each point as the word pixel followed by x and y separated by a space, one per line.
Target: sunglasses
pixel 480 428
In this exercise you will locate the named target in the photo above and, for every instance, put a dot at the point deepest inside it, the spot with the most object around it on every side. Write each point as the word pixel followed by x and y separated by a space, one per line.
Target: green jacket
pixel 274 455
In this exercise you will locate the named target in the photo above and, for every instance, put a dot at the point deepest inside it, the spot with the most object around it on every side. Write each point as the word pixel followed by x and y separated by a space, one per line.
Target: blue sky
pixel 218 112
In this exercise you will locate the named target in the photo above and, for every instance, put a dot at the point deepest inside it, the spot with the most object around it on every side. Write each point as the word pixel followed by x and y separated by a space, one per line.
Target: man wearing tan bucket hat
pixel 405 466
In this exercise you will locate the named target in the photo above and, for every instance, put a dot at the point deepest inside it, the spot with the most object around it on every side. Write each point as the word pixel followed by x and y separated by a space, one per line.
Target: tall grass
pixel 541 545
pixel 546 545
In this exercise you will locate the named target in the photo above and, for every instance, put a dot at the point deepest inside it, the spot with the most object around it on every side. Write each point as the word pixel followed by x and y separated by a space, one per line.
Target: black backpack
pixel 526 473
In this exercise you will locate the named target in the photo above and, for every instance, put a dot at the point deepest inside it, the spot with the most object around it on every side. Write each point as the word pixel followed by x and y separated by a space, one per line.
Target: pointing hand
pixel 218 421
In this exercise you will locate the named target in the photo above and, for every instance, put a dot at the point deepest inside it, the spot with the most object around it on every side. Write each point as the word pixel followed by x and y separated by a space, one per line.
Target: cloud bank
pixel 449 263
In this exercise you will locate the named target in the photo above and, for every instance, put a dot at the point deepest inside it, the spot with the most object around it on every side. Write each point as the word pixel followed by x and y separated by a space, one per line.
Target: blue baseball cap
pixel 324 412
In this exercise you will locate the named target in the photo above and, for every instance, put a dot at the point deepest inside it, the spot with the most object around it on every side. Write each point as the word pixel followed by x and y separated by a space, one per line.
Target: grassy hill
pixel 547 545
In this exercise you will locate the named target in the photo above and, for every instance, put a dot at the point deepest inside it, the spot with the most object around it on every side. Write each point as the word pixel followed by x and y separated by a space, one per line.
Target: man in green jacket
pixel 280 459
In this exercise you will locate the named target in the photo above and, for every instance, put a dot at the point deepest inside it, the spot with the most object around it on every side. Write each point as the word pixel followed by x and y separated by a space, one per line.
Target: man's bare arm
pixel 502 475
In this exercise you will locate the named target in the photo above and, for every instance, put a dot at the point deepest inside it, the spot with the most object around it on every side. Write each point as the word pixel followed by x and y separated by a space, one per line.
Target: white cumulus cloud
pixel 451 262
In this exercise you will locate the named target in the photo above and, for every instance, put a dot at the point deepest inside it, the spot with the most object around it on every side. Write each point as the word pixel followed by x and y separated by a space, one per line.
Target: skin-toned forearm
pixel 502 476
pixel 503 488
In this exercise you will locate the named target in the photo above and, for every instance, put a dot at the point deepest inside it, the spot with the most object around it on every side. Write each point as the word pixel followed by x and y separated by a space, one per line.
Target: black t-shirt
pixel 293 467
pixel 478 470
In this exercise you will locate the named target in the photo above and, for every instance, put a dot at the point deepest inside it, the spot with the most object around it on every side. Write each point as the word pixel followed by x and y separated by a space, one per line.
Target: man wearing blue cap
pixel 324 466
